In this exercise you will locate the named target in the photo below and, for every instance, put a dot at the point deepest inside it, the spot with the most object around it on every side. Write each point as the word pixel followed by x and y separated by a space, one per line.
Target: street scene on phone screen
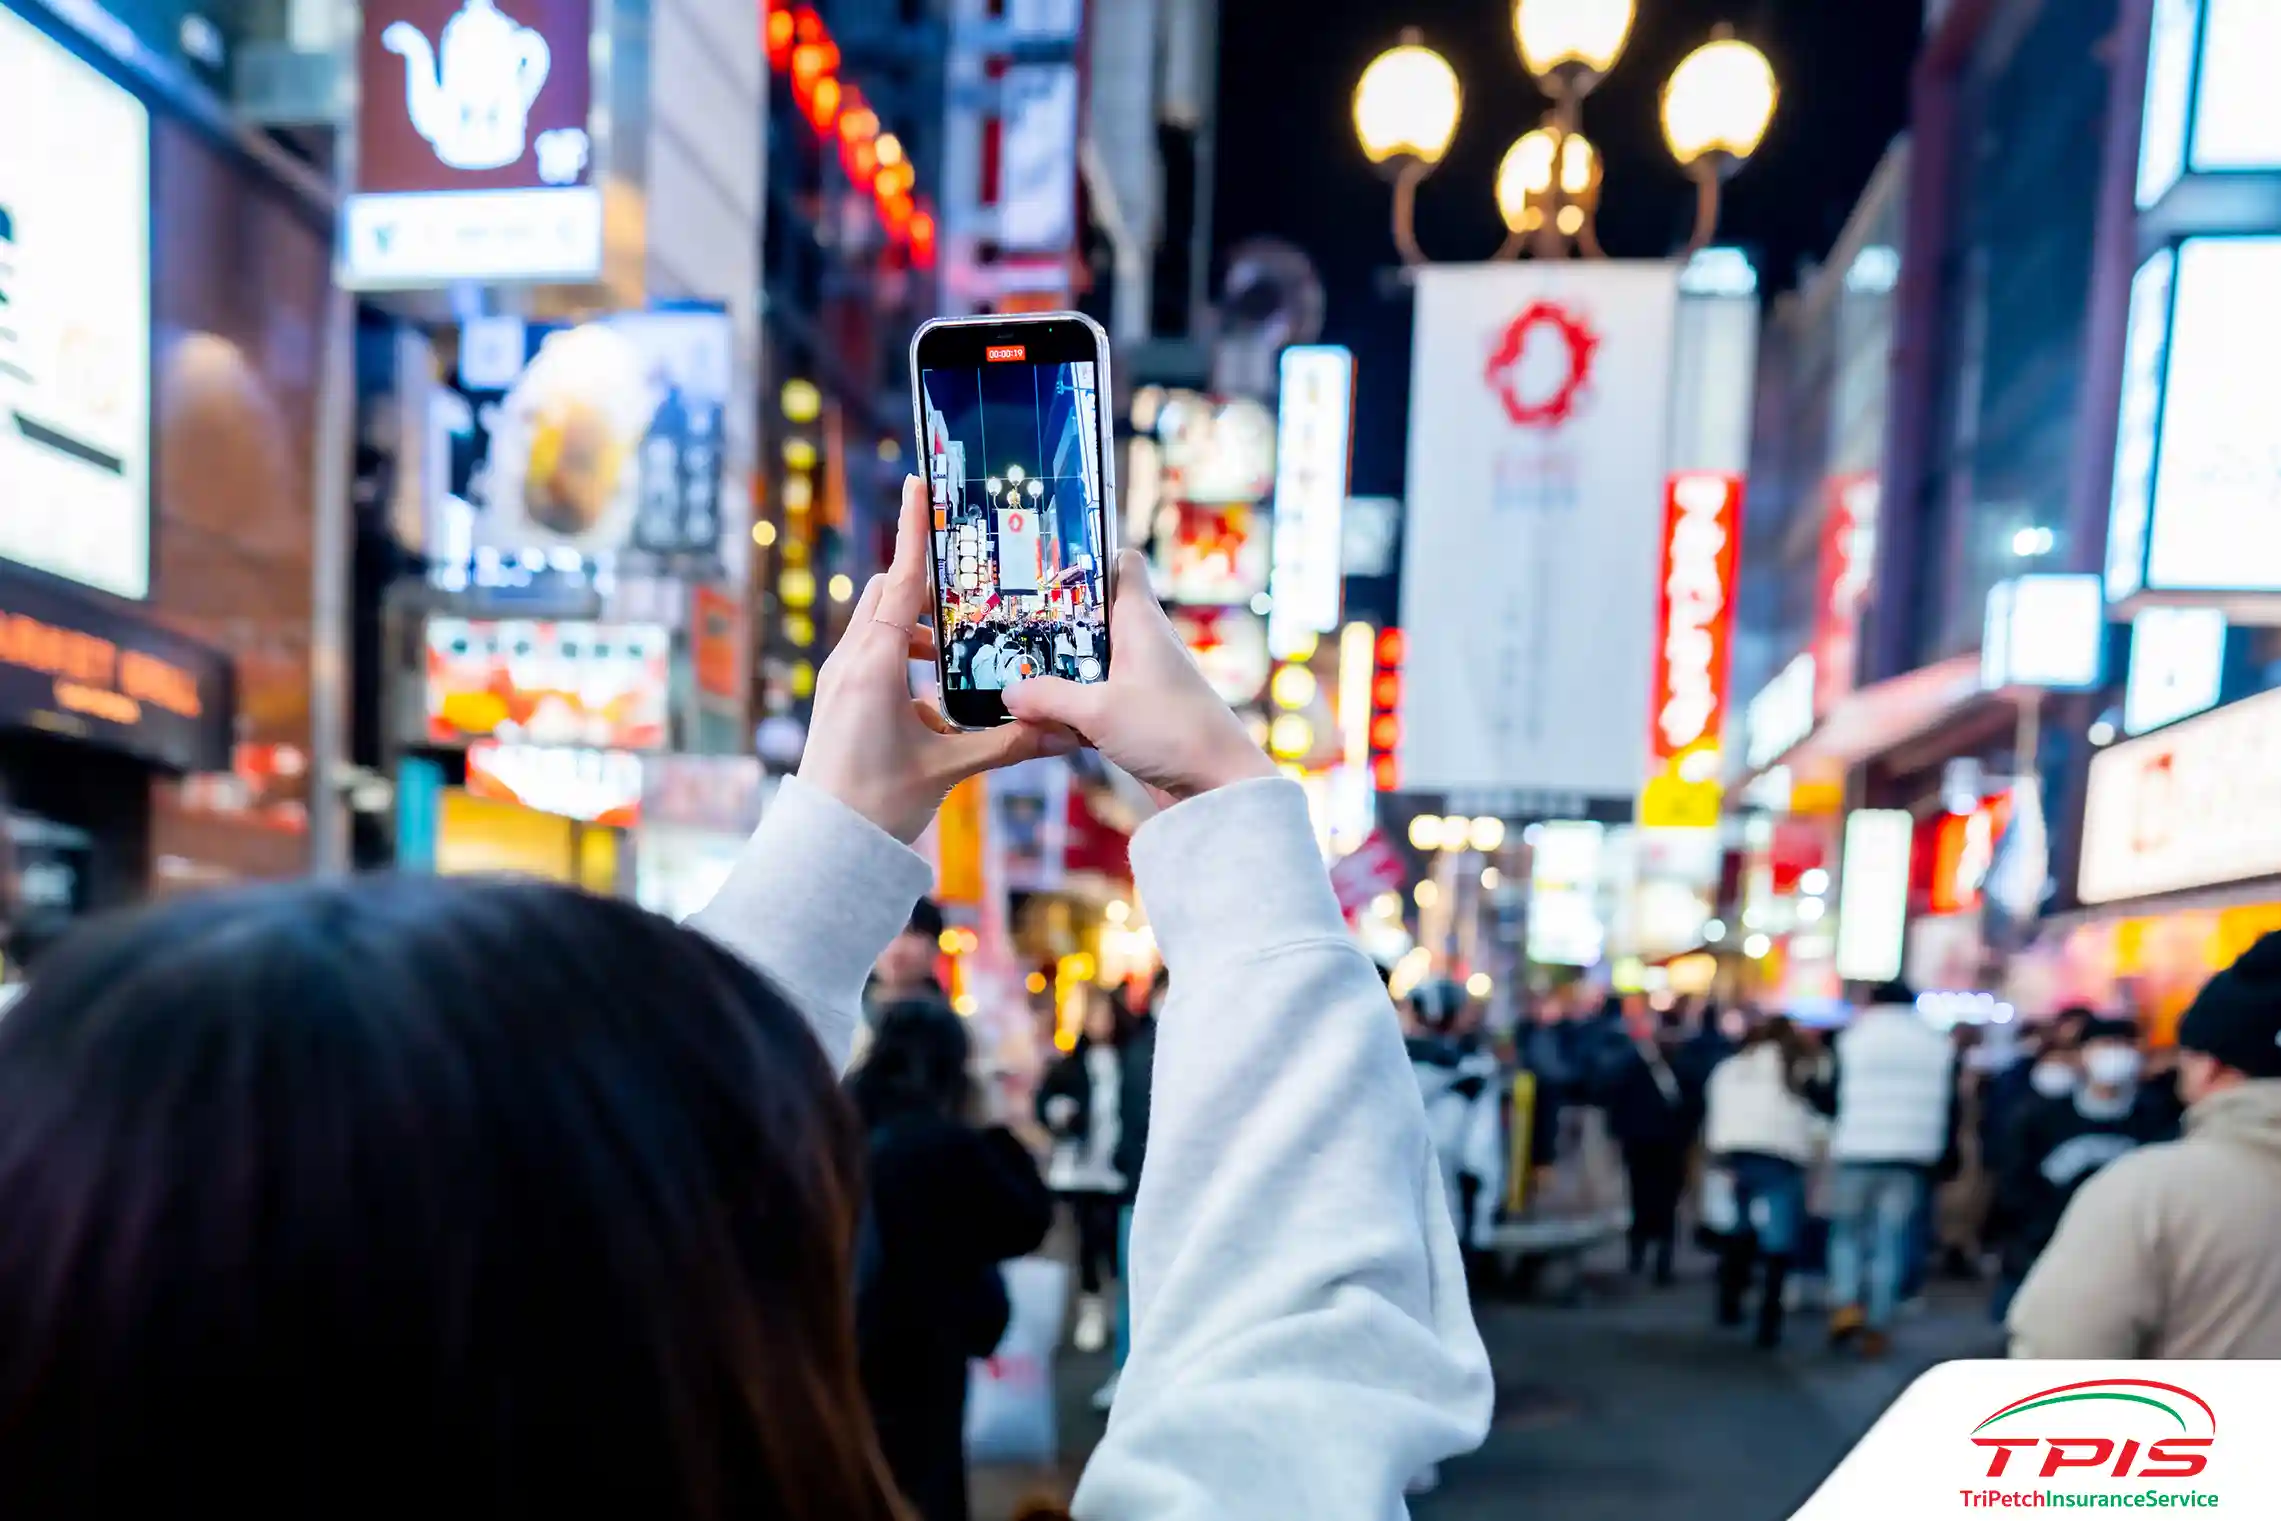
pixel 1013 465
pixel 1665 904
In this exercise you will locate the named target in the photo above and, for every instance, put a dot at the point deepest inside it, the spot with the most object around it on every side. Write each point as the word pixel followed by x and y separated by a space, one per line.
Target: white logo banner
pixel 1970 1438
pixel 1539 408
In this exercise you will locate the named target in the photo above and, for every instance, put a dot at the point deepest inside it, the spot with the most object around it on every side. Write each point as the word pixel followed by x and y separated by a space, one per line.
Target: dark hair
pixel 916 1065
pixel 344 1198
pixel 926 919
pixel 1781 1032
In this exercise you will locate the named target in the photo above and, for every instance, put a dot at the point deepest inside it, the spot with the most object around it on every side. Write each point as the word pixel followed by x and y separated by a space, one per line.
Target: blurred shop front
pixel 96 702
pixel 164 467
pixel 2180 870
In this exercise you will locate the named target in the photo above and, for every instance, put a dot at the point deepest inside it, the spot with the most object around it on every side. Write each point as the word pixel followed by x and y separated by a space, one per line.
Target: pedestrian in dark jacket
pixel 949 1201
pixel 2058 1143
pixel 1653 1118
pixel 1081 1102
pixel 1137 1067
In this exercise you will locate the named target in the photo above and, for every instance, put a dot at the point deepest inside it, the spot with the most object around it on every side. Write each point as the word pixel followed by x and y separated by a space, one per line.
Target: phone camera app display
pixel 1014 470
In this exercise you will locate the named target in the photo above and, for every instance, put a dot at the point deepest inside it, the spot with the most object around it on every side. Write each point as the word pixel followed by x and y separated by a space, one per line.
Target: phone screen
pixel 1010 426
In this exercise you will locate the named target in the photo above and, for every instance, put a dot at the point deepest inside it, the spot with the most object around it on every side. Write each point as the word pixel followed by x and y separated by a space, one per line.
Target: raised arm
pixel 1302 1340
pixel 829 877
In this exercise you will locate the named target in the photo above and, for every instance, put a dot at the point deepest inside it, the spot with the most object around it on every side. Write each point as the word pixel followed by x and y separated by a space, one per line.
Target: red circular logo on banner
pixel 1578 343
pixel 1014 522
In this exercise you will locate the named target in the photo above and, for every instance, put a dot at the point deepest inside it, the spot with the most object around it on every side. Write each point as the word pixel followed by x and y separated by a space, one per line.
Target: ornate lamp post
pixel 1716 108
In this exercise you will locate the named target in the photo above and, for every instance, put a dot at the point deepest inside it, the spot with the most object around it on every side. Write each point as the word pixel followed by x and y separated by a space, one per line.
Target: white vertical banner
pixel 1314 439
pixel 1037 200
pixel 1018 559
pixel 1539 413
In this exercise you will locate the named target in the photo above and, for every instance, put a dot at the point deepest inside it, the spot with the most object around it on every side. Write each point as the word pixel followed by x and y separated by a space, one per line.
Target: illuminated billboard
pixel 600 685
pixel 2197 492
pixel 75 317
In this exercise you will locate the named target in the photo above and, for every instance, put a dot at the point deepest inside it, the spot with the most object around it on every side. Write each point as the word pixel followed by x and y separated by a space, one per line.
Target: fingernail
pixel 1010 683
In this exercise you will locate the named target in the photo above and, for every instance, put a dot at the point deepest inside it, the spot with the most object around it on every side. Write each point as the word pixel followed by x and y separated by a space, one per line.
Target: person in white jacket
pixel 1759 1125
pixel 486 1198
pixel 1896 1093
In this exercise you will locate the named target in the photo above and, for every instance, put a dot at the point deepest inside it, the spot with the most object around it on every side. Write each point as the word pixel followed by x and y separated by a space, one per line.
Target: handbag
pixel 1010 1407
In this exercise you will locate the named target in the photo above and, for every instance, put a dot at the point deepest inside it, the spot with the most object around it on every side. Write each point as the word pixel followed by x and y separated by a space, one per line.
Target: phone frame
pixel 1060 334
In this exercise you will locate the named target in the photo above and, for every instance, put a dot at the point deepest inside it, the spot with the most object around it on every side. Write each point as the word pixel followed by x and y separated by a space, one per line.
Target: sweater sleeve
pixel 812 901
pixel 1302 1341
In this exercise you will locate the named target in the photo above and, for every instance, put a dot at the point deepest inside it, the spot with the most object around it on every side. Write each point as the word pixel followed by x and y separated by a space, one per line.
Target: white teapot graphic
pixel 473 102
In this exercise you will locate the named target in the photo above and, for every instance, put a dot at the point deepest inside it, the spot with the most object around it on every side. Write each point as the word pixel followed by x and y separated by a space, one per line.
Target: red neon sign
pixel 1695 595
pixel 800 46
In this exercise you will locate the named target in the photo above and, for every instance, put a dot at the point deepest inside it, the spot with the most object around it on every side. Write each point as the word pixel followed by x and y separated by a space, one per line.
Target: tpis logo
pixel 2107 1428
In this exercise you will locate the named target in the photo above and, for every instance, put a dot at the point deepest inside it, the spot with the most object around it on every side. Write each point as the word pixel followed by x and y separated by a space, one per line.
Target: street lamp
pixel 1405 112
pixel 1716 108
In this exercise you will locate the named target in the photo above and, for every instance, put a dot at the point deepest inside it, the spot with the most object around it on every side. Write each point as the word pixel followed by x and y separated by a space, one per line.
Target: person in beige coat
pixel 2175 1250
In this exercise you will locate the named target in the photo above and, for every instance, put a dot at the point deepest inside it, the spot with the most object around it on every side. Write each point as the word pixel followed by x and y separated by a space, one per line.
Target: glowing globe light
pixel 1719 101
pixel 1406 105
pixel 1572 37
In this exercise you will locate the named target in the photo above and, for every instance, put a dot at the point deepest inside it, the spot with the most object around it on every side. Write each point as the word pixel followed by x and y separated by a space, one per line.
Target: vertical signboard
pixel 2138 424
pixel 958 844
pixel 1848 560
pixel 2169 100
pixel 1702 549
pixel 473 156
pixel 2216 523
pixel 717 644
pixel 1540 406
pixel 75 317
pixel 1312 448
pixel 1873 894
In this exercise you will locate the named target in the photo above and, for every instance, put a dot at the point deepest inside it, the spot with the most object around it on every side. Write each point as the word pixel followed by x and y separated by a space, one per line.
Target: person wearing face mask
pixel 2060 1138
pixel 2045 1070
pixel 2174 1251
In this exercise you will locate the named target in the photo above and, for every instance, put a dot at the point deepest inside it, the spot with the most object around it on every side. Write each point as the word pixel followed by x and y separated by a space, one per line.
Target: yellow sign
pixel 958 844
pixel 1671 802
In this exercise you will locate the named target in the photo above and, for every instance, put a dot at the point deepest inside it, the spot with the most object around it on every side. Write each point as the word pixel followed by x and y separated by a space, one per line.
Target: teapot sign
pixel 473 154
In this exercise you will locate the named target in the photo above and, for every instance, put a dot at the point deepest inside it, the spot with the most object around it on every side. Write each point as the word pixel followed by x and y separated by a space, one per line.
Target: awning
pixel 1874 720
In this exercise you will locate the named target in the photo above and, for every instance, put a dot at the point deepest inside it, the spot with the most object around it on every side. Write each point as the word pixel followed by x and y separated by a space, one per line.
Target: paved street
pixel 1630 1407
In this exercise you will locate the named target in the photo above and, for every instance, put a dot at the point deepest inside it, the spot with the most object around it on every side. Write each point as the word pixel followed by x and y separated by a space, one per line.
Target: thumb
pixel 1054 700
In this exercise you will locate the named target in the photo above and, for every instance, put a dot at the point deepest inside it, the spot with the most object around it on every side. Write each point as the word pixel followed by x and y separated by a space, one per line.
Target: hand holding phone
pixel 889 756
pixel 1156 715
pixel 1013 434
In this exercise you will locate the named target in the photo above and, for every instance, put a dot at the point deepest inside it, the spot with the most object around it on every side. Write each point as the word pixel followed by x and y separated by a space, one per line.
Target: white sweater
pixel 1302 1340
pixel 1895 1076
pixel 1750 1106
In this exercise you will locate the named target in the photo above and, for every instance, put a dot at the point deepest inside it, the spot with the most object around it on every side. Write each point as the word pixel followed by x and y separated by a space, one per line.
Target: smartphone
pixel 1012 415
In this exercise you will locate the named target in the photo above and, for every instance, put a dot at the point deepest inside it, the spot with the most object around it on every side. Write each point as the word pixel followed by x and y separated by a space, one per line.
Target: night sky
pixel 1288 165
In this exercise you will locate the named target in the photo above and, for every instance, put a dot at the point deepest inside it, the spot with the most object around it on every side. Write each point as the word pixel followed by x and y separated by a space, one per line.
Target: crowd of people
pixel 1003 646
pixel 2083 1179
